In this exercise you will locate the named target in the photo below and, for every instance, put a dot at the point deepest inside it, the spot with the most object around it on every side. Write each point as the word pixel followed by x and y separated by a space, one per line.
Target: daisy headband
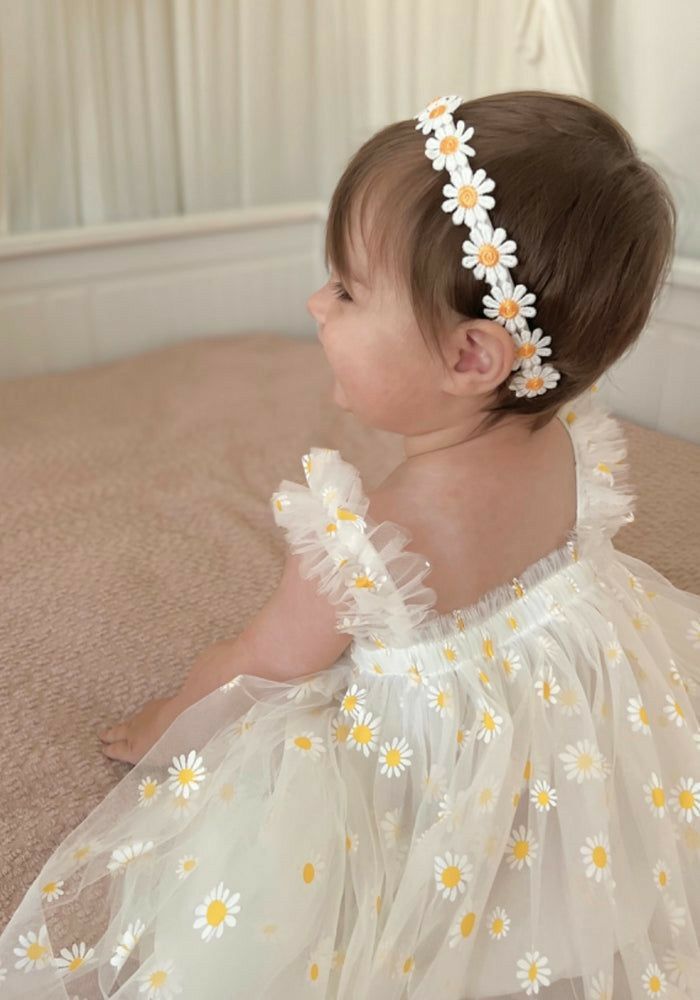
pixel 488 251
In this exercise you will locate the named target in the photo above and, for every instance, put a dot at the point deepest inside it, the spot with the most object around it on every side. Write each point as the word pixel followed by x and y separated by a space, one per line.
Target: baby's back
pixel 482 515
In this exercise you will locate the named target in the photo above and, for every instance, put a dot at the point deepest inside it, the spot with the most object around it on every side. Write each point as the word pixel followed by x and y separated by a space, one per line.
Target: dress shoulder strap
pixel 605 493
pixel 361 566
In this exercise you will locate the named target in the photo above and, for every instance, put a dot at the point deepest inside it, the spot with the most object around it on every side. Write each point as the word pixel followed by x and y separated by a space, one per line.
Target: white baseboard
pixel 70 298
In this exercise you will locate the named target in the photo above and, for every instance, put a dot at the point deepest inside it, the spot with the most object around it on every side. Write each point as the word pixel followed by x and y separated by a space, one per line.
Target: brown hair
pixel 594 225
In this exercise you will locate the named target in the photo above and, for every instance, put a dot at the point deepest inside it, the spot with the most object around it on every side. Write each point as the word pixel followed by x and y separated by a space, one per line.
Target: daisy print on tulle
pixel 302 690
pixel 160 982
pixel 319 962
pixel 440 698
pixel 676 965
pixel 685 799
pixel 52 890
pixel 394 757
pixel 498 923
pixel 216 912
pixel 595 854
pixel 569 702
pixel 534 382
pixel 186 865
pixel 521 848
pixel 601 987
pixel 33 950
pixel 391 828
pixel 339 731
pixel 655 797
pixel 533 971
pixel 353 699
pixel 435 782
pixel 73 958
pixel 653 980
pixel 453 809
pixel 363 733
pixel 187 774
pixel 547 686
pixel 638 717
pixel 509 305
pixel 149 790
pixel 312 869
pixel 673 711
pixel 488 794
pixel 675 915
pixel 490 722
pixel 488 253
pixel 661 875
pixel 307 744
pixel 531 347
pixel 127 942
pixel 367 579
pixel 463 927
pixel 582 761
pixel 511 664
pixel 467 196
pixel 448 147
pixel 452 874
pixel 543 795
pixel 127 854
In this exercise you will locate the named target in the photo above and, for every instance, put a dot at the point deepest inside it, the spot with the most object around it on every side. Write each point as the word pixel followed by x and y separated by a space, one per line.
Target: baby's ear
pixel 484 350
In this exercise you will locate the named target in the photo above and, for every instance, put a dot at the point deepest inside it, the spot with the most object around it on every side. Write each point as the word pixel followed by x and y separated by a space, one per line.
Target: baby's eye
pixel 340 292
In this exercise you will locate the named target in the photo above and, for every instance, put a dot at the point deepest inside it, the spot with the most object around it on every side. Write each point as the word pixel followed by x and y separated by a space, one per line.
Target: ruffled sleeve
pixel 606 498
pixel 361 566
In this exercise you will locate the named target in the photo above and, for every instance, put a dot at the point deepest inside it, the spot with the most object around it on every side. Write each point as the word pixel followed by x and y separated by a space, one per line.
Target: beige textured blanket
pixel 136 530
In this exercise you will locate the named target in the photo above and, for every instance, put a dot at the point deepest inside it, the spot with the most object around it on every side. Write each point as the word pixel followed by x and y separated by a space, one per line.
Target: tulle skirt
pixel 498 827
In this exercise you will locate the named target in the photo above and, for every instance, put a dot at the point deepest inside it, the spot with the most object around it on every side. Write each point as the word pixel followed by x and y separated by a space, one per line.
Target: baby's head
pixel 403 321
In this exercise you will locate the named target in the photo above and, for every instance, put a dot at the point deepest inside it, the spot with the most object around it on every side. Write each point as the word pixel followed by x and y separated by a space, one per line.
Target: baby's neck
pixel 465 438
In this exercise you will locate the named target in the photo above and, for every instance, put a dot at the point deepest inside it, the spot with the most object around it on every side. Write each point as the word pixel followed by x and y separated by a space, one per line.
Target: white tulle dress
pixel 495 802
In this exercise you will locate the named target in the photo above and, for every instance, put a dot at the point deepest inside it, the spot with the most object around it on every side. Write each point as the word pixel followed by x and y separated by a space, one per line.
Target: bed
pixel 136 531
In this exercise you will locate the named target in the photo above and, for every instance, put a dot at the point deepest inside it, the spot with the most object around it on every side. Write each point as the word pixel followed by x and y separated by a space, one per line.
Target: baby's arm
pixel 293 634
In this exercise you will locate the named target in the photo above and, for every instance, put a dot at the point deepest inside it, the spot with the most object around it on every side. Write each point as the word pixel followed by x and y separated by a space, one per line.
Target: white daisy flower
pixel 127 942
pixel 437 113
pixel 302 690
pixel 675 915
pixel 489 253
pixel 655 796
pixel 448 147
pixel 641 620
pixel 187 774
pixel 467 197
pixel 394 756
pixel 404 967
pixel 160 982
pixel 453 812
pixel 569 702
pixel 653 980
pixel 531 348
pixel 582 760
pixel 368 579
pixel 280 502
pixel 511 664
pixel 353 699
pixel 543 795
pixel 613 652
pixel 490 722
pixel 363 733
pixel 416 675
pixel 216 912
pixel 533 971
pixel 339 731
pixel 391 828
pixel 685 799
pixel 601 987
pixel 498 923
pixel 33 951
pixel 452 874
pixel 352 842
pixel 319 962
pixel 488 794
pixel 661 874
pixel 547 685
pixel 596 856
pixel 693 633
pixel 440 698
pixel 127 854
pixel 312 869
pixel 673 711
pixel 73 958
pixel 149 790
pixel 52 890
pixel 463 926
pixel 307 744
pixel 521 848
pixel 186 865
pixel 676 964
pixel 509 306
pixel 534 381
pixel 637 716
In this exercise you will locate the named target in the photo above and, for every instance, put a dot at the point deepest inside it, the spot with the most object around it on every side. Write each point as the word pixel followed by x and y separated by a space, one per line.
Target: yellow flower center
pixel 308 872
pixel 508 308
pixel 643 715
pixel 350 702
pixel 186 775
pixel 497 925
pixel 313 972
pixel 686 799
pixel 393 758
pixel 362 734
pixel 526 350
pixel 488 255
pixel 657 796
pixel 467 196
pixel 466 924
pixel 600 857
pixel 449 144
pixel 521 849
pixel 534 383
pixel 440 109
pixel 35 951
pixel 159 978
pixel 451 876
pixel 303 742
pixel 216 911
pixel 488 721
